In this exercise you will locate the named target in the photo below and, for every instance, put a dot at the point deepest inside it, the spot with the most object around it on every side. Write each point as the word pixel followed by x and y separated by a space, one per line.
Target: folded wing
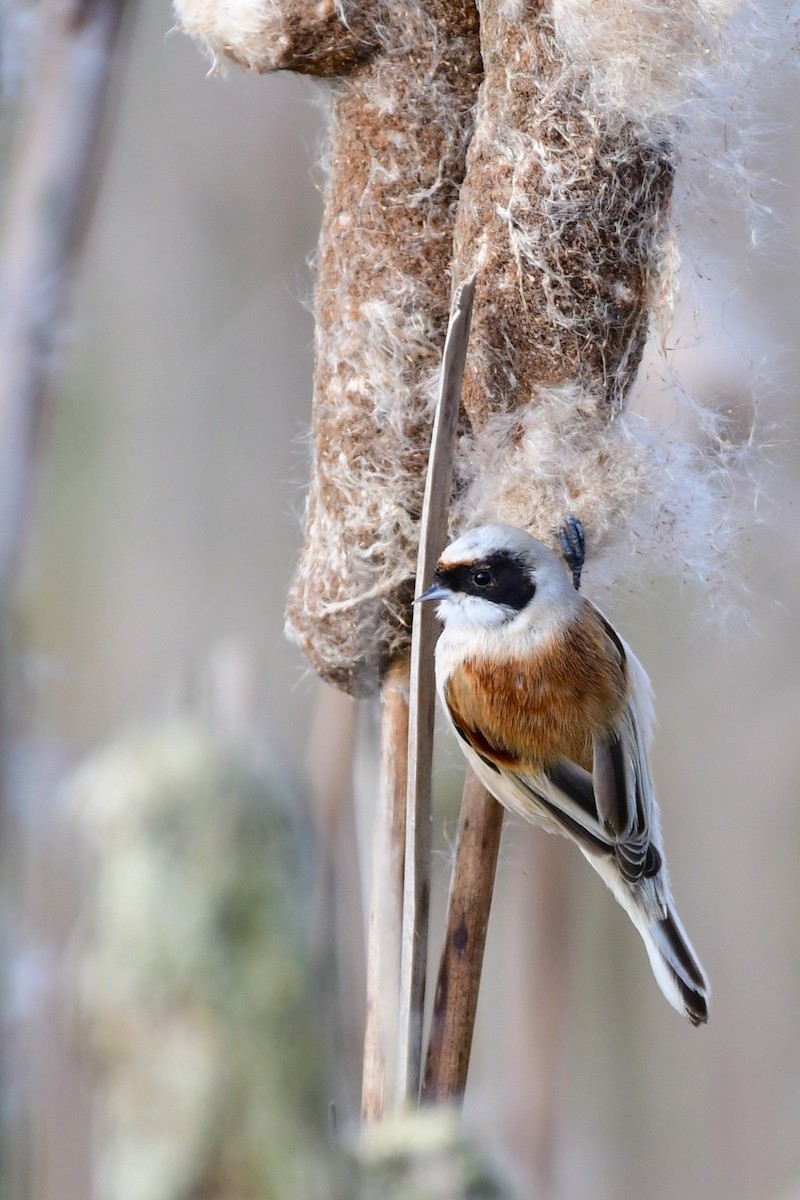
pixel 610 811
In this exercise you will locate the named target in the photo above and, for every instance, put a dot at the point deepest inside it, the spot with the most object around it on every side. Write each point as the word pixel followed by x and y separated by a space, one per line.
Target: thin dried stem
pixel 468 907
pixel 422 701
pixel 386 901
pixel 49 192
pixel 53 182
pixel 339 909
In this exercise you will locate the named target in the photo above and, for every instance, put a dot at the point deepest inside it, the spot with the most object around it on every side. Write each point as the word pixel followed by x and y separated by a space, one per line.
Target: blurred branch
pixel 52 186
pixel 468 907
pixel 195 981
pixel 422 699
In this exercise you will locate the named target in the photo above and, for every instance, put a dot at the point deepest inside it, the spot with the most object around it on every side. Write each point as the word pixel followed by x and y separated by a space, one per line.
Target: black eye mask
pixel 501 578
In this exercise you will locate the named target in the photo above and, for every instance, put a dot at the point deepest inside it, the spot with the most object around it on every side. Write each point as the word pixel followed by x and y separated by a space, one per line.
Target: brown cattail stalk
pixel 468 907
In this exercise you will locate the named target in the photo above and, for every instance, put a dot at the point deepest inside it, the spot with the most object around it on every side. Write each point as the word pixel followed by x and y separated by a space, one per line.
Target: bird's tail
pixel 675 965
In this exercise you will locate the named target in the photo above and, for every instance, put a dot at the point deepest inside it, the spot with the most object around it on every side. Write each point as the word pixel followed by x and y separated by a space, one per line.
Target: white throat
pixel 462 613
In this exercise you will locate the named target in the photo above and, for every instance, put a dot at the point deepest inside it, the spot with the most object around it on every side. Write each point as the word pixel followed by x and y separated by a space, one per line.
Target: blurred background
pixel 166 527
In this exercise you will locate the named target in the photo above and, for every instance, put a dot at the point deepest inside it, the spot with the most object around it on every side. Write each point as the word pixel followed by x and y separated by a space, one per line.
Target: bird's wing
pixel 564 797
pixel 624 798
pixel 621 780
pixel 610 811
pixel 561 799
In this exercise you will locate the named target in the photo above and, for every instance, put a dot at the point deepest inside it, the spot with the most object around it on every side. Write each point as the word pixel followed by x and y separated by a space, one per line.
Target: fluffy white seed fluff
pixel 668 495
pixel 252 31
pixel 647 56
pixel 656 498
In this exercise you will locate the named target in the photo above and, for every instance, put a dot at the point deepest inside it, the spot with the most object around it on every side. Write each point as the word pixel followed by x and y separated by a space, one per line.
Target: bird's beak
pixel 437 591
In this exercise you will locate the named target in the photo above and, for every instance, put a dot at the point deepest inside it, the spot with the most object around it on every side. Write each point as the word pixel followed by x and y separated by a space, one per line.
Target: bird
pixel 554 714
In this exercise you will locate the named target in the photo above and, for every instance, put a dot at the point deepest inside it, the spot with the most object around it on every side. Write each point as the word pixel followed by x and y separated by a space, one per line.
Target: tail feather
pixel 676 967
pixel 674 962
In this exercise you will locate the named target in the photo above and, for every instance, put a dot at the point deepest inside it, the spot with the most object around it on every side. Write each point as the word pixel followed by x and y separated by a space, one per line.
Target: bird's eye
pixel 482 578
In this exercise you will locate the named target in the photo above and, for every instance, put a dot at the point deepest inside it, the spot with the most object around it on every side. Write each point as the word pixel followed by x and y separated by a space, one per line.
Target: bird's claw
pixel 573 547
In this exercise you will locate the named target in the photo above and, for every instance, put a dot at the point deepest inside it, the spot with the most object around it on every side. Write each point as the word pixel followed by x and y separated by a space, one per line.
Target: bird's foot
pixel 573 547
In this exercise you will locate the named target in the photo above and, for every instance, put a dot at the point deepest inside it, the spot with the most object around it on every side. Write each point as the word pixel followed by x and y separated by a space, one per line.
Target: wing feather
pixel 614 783
pixel 561 799
pixel 623 792
pixel 610 811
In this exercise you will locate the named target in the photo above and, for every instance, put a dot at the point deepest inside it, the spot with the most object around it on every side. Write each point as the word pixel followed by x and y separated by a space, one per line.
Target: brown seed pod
pixel 399 130
pixel 400 122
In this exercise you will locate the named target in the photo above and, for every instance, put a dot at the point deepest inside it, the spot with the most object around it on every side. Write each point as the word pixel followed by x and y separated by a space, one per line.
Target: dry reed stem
pixel 386 901
pixel 339 904
pixel 422 700
pixel 52 185
pixel 468 908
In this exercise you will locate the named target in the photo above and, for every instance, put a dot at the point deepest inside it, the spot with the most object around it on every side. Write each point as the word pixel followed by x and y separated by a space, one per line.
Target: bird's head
pixel 497 575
